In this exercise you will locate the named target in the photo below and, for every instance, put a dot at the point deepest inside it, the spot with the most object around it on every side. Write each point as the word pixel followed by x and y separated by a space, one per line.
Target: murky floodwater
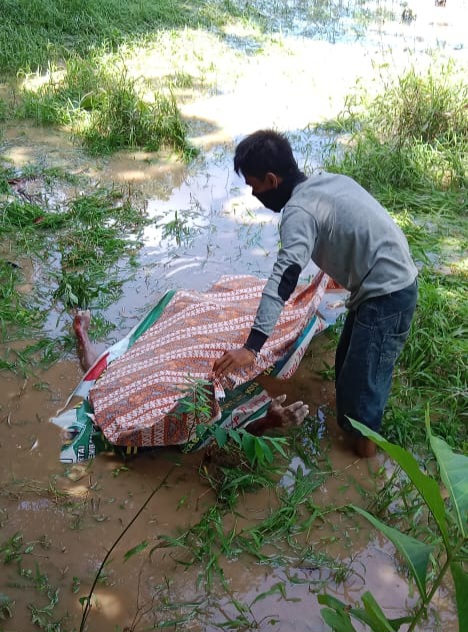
pixel 70 516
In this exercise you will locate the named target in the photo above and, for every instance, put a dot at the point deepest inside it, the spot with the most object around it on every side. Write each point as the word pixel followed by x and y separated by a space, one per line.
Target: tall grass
pixel 106 108
pixel 409 141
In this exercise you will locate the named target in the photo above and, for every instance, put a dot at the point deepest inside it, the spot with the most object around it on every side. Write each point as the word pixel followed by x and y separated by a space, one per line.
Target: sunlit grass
pixel 34 33
pixel 106 108
pixel 409 144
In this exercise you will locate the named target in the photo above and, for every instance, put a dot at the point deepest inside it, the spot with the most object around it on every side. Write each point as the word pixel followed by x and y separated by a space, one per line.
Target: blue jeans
pixel 372 339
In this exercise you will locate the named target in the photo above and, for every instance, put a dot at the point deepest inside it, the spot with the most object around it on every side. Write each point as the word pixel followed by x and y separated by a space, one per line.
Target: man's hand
pixel 233 360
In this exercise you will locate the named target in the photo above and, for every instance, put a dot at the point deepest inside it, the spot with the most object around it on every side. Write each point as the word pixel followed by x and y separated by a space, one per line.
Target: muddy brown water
pixel 70 516
pixel 73 514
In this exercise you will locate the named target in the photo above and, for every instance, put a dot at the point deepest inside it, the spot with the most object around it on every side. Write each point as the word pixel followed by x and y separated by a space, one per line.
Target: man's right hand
pixel 233 360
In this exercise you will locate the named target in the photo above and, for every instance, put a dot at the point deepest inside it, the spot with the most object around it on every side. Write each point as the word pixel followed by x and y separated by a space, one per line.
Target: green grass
pixel 95 238
pixel 34 33
pixel 106 108
pixel 211 539
pixel 409 144
pixel 432 370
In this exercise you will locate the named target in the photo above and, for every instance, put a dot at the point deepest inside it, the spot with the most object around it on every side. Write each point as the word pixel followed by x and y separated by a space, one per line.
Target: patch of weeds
pixel 230 473
pixel 409 144
pixel 5 175
pixel 206 542
pixel 12 549
pixel 107 109
pixel 243 616
pixel 50 175
pixel 17 313
pixel 432 367
pixel 95 238
pixel 83 289
pixel 27 215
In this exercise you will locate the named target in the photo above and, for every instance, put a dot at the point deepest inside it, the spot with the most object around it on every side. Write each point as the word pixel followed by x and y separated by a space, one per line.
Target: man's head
pixel 266 161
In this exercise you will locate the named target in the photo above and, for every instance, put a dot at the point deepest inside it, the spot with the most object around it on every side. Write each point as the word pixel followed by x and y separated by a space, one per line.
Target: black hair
pixel 262 152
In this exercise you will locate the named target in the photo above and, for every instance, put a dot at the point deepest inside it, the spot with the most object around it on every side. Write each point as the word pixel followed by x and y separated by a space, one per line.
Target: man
pixel 332 220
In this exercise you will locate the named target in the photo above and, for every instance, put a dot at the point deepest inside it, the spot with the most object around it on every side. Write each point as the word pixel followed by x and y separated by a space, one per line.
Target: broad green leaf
pixel 380 623
pixel 332 602
pixel 339 621
pixel 248 445
pixel 416 553
pixel 259 453
pixel 425 485
pixel 136 549
pixel 460 578
pixel 363 615
pixel 200 430
pixel 267 453
pixel 221 436
pixel 397 623
pixel 235 435
pixel 454 473
pixel 278 443
pixel 336 615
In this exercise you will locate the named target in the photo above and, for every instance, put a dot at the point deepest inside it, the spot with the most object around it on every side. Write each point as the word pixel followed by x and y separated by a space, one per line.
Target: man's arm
pixel 297 233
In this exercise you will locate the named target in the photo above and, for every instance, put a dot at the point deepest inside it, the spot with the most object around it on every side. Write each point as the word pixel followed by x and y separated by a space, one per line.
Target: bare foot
pixel 364 448
pixel 86 352
pixel 81 322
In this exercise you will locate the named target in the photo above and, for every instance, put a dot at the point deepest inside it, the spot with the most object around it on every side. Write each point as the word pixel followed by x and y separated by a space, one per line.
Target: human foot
pixel 81 322
pixel 86 351
pixel 364 448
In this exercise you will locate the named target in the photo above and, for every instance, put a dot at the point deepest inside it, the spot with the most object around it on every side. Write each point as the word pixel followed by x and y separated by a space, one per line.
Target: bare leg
pixel 86 352
pixel 279 417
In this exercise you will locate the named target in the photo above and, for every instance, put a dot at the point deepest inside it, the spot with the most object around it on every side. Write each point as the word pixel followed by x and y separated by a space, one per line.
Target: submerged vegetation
pixel 407 144
pixel 83 253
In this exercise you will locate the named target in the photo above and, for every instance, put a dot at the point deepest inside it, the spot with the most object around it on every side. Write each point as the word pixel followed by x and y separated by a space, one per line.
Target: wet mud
pixel 57 522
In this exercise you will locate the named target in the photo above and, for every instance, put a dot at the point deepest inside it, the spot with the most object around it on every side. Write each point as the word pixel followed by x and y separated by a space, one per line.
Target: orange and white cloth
pixel 135 399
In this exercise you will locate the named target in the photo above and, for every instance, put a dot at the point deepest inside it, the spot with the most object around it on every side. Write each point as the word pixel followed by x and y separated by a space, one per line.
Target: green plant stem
pixel 88 606
pixel 435 586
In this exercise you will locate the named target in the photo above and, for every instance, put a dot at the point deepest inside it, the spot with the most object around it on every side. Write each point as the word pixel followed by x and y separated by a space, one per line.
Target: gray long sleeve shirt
pixel 332 220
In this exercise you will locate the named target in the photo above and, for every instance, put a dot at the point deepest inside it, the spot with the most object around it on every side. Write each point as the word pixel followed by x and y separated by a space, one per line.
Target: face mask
pixel 276 199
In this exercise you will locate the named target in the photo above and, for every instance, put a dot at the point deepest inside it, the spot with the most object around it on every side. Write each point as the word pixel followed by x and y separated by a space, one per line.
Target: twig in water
pixel 87 608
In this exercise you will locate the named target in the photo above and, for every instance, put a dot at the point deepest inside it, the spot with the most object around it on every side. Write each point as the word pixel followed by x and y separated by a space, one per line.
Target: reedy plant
pixel 106 108
pixel 448 552
pixel 412 136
